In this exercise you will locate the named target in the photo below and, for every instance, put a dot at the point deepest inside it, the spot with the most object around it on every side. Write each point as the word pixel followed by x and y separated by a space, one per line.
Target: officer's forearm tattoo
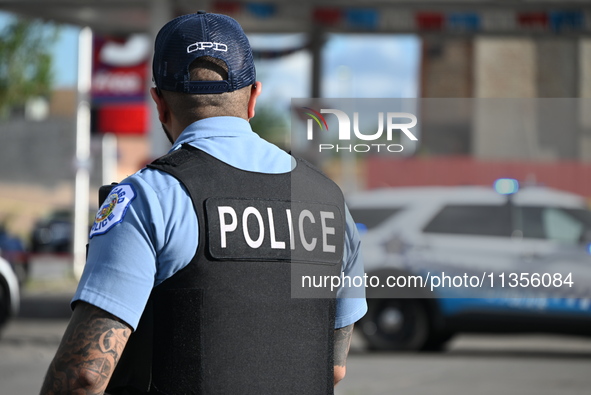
pixel 342 342
pixel 88 353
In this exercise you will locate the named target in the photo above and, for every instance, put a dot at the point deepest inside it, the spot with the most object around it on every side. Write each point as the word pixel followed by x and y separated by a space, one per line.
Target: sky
pixel 373 66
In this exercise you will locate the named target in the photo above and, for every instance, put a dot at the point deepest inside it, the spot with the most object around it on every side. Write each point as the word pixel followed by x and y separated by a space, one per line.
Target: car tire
pixel 437 342
pixel 4 303
pixel 395 325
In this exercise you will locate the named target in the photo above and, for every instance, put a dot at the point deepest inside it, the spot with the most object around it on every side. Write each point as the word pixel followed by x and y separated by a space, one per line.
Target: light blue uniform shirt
pixel 141 247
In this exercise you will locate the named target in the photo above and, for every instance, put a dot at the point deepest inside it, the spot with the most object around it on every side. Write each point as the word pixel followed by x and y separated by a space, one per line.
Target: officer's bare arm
pixel 88 353
pixel 342 342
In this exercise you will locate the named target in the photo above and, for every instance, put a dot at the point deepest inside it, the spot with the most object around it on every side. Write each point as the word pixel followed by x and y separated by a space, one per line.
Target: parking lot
pixel 524 364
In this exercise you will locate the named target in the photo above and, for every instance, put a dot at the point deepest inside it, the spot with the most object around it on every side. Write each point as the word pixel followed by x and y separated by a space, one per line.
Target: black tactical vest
pixel 236 319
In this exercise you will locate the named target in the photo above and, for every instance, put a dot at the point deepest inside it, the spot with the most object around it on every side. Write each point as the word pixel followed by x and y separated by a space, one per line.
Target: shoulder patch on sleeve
pixel 113 209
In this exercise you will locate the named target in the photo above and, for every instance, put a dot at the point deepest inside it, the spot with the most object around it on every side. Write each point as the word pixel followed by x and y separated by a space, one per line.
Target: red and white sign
pixel 119 80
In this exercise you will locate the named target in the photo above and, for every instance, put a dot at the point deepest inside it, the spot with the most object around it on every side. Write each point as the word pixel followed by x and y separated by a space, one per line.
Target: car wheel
pixel 4 303
pixel 437 342
pixel 395 325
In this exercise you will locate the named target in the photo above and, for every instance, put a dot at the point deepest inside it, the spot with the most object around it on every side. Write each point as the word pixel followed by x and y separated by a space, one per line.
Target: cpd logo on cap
pixel 202 45
pixel 345 130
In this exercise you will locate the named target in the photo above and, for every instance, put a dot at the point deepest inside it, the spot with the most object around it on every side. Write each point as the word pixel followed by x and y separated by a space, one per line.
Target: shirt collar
pixel 214 127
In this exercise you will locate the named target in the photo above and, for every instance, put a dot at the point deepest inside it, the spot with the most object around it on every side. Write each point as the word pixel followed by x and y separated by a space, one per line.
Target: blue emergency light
pixel 506 186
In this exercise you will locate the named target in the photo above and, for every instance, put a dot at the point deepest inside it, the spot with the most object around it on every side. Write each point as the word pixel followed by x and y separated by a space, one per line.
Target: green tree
pixel 272 125
pixel 25 62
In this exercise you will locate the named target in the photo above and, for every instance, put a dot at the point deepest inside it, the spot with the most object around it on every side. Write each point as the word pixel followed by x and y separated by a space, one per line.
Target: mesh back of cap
pixel 188 37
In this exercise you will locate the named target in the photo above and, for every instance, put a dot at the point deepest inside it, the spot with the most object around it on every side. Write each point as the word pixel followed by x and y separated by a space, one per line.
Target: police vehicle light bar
pixel 506 186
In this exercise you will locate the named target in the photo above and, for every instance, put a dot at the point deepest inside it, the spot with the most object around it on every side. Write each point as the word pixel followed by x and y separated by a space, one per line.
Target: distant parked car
pixel 9 293
pixel 53 233
pixel 473 230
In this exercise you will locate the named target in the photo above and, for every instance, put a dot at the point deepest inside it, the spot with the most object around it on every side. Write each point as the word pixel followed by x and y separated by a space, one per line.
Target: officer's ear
pixel 255 91
pixel 161 106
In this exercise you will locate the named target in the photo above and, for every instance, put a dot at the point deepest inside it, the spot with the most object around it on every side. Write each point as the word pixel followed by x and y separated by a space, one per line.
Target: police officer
pixel 192 260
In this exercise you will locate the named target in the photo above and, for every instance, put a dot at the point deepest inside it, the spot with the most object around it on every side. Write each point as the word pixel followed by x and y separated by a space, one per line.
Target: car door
pixel 472 238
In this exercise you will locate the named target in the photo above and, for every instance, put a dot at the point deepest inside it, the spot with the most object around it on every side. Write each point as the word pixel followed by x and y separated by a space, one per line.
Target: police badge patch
pixel 113 209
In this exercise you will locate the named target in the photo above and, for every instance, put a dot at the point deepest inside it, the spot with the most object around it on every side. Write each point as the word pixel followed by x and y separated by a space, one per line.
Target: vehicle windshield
pixel 372 217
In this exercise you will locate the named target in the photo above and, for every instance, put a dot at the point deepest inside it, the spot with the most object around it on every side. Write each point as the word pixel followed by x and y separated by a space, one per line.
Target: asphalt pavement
pixel 479 365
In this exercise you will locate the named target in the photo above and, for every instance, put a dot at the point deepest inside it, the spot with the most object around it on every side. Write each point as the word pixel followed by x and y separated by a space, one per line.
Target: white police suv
pixel 446 260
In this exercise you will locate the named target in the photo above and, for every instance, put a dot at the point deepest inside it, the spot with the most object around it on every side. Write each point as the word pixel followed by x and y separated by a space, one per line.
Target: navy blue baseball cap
pixel 192 36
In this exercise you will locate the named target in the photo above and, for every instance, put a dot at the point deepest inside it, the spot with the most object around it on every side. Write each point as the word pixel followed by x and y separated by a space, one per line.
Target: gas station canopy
pixel 283 16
